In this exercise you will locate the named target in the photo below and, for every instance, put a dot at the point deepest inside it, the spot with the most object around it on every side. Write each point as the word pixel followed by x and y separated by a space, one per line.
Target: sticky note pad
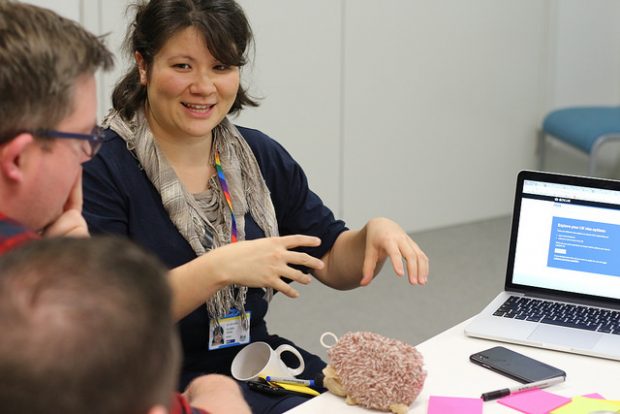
pixel 580 405
pixel 534 401
pixel 454 405
pixel 595 395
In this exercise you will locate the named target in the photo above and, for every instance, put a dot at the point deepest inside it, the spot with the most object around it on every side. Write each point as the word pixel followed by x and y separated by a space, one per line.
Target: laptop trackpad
pixel 572 338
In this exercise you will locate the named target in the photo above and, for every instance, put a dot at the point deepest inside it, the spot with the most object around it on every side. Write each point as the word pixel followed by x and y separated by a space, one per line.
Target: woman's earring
pixel 142 77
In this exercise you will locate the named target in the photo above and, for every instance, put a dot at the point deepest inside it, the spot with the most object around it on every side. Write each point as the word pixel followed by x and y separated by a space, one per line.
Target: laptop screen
pixel 566 235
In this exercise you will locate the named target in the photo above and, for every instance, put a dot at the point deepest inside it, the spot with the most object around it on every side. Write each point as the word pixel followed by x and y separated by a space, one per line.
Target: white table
pixel 450 373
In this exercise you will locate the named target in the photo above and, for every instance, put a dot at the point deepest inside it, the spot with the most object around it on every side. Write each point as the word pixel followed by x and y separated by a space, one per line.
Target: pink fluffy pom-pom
pixel 376 371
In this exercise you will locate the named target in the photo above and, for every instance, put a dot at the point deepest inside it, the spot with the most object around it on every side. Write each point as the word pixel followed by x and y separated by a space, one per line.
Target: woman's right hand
pixel 253 263
pixel 264 262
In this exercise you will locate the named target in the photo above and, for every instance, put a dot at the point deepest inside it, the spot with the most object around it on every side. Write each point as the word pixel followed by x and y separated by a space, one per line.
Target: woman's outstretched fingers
pixel 300 240
pixel 304 259
pixel 368 269
pixel 422 263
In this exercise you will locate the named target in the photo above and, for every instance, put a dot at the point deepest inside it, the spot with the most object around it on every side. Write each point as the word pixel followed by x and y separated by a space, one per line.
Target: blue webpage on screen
pixel 586 246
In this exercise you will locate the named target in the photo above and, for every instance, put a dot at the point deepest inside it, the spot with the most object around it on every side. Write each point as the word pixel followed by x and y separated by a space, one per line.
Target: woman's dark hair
pixel 222 23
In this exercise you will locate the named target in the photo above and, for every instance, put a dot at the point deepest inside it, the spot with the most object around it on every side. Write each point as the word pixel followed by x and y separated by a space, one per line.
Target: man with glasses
pixel 48 106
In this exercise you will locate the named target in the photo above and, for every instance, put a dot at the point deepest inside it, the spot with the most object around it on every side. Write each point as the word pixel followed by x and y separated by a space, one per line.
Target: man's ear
pixel 13 154
pixel 141 67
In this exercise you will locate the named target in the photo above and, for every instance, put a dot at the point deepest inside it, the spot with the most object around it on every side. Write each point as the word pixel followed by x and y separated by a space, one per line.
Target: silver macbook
pixel 562 288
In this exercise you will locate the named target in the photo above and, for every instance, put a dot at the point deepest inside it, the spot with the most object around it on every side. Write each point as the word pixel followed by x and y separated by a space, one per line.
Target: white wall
pixel 439 104
pixel 298 72
pixel 586 53
pixel 68 8
pixel 419 110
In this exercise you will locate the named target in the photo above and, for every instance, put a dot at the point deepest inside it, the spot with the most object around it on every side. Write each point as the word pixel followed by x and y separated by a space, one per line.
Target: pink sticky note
pixel 595 395
pixel 534 401
pixel 454 405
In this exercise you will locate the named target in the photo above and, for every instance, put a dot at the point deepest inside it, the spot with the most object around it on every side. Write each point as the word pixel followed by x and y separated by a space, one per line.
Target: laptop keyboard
pixel 563 314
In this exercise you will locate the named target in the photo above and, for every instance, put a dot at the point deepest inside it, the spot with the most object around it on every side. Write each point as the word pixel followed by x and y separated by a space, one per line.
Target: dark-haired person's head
pixel 86 327
pixel 47 111
pixel 221 24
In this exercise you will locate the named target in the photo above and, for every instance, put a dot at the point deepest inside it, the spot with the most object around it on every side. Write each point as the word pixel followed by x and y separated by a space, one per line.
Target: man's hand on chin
pixel 69 224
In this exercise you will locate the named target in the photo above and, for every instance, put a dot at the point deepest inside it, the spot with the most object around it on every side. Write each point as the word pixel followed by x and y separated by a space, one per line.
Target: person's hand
pixel 385 238
pixel 70 223
pixel 264 262
pixel 216 394
pixel 260 263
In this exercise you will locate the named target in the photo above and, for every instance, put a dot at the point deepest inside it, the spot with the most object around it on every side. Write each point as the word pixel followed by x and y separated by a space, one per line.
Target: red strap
pixel 181 406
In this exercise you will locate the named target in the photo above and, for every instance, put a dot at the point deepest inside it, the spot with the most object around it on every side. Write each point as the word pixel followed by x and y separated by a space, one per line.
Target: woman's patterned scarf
pixel 204 219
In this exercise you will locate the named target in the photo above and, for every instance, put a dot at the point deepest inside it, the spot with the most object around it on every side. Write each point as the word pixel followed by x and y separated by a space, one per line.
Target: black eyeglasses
pixel 94 139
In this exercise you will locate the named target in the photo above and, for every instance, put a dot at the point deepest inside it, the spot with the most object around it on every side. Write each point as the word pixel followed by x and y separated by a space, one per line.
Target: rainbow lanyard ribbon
pixel 224 185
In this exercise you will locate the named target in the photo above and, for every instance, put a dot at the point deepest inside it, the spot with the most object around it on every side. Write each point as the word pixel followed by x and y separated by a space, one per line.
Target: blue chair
pixel 584 128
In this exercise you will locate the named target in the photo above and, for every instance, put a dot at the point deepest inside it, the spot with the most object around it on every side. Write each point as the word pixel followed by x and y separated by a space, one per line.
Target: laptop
pixel 562 288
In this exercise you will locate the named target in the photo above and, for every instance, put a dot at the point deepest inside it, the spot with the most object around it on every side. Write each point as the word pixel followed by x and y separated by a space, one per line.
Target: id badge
pixel 230 332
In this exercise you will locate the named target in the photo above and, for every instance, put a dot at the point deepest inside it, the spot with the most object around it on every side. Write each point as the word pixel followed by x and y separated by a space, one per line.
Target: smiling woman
pixel 225 207
pixel 189 91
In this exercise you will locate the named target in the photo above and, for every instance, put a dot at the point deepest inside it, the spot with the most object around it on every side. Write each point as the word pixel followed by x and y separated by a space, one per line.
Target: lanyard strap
pixel 224 185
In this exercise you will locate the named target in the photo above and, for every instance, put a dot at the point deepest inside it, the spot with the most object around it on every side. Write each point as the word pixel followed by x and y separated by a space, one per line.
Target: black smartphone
pixel 515 365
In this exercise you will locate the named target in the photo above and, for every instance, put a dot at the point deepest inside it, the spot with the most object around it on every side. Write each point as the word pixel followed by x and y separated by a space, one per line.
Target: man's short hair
pixel 41 56
pixel 86 326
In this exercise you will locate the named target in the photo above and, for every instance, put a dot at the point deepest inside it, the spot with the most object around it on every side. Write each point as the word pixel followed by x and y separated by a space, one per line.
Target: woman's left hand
pixel 385 238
